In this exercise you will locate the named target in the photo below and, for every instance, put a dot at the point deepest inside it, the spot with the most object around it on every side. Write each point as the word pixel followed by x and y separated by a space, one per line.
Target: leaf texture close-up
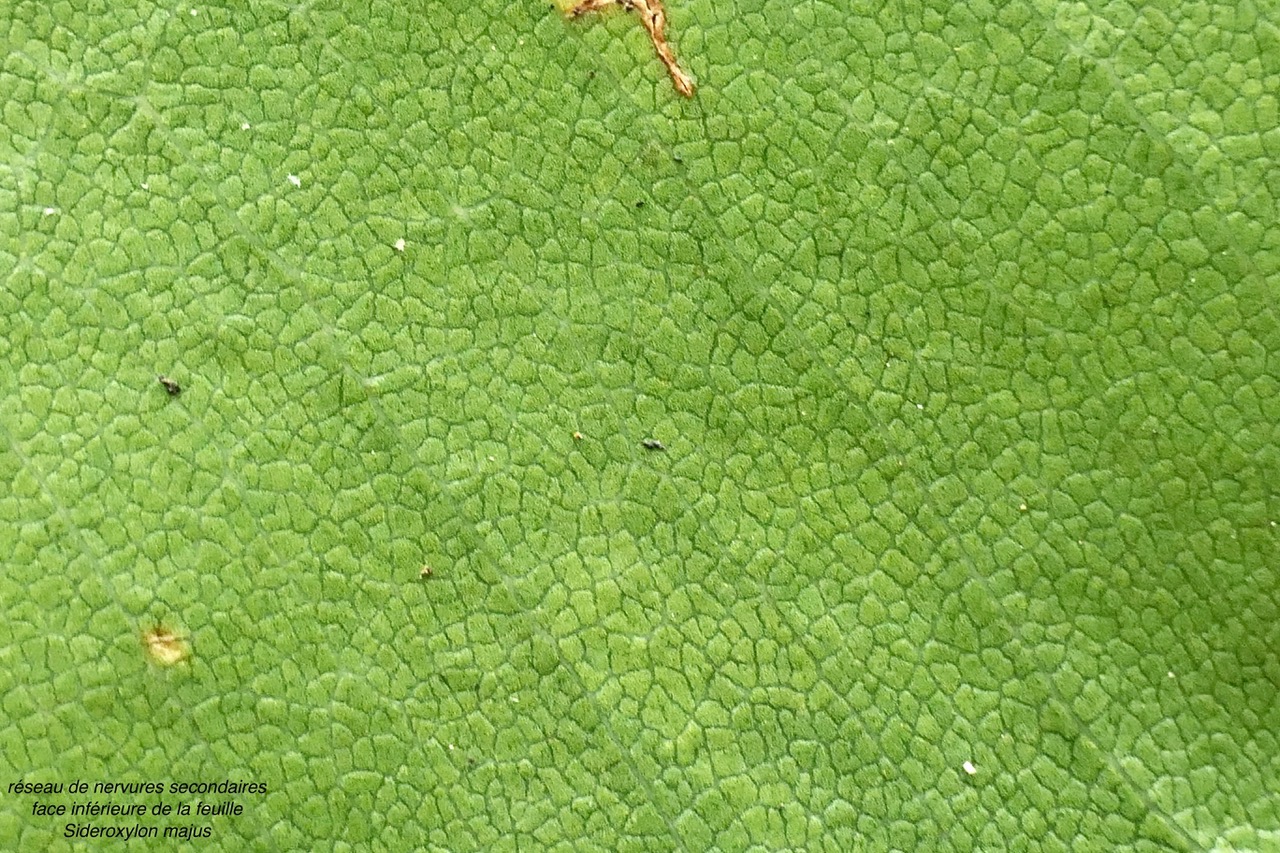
pixel 876 450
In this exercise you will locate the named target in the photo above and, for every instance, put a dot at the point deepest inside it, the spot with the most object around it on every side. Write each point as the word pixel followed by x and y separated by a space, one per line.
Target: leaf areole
pixel 545 658
pixel 458 679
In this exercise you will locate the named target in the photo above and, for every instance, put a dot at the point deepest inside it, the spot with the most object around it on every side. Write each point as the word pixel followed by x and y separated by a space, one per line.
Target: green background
pixel 957 321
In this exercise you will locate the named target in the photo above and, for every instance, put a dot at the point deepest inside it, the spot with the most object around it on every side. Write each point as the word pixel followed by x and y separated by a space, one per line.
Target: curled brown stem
pixel 654 18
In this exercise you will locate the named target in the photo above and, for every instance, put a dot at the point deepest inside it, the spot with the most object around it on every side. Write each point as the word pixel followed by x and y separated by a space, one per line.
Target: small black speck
pixel 172 387
pixel 652 444
pixel 591 75
pixel 640 204
pixel 678 158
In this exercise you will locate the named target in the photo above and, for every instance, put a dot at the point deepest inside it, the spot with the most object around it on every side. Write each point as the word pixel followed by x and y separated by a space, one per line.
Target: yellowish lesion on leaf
pixel 654 19
pixel 164 647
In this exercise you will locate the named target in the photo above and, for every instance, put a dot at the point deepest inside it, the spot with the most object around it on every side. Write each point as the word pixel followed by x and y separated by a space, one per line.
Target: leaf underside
pixel 956 322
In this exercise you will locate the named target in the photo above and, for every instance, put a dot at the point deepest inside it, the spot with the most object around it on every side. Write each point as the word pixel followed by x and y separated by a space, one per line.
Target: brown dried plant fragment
pixel 654 19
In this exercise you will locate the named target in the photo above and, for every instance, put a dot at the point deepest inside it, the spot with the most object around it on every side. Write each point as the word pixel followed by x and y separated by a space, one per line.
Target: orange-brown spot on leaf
pixel 164 647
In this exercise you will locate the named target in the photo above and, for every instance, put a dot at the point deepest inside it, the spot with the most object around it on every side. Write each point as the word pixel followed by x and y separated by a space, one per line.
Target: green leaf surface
pixel 957 322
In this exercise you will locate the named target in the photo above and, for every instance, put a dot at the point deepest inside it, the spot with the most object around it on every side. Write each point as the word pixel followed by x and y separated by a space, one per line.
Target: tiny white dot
pixel 146 185
pixel 1022 507
pixel 451 746
pixel 969 768
pixel 295 180
pixel 919 405
pixel 194 13
pixel 244 125
pixel 515 699
pixel 400 245
pixel 50 211
pixel 1170 673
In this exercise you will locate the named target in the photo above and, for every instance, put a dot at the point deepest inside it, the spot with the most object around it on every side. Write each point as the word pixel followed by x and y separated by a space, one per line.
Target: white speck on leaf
pixel 399 244
pixel 295 180
pixel 146 185
pixel 244 125
pixel 50 211
pixel 969 768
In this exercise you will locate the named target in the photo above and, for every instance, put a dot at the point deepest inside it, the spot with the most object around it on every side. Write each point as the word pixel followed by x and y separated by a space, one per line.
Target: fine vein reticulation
pixel 654 19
